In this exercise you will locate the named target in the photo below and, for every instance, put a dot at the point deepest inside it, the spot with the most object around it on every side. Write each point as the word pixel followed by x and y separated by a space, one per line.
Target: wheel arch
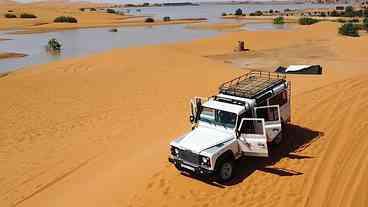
pixel 228 154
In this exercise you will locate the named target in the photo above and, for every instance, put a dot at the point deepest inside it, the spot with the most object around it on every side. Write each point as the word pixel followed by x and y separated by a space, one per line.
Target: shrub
pixel 27 15
pixel 53 45
pixel 224 14
pixel 82 9
pixel 239 12
pixel 166 19
pixel 149 20
pixel 349 29
pixel 257 13
pixel 341 20
pixel 307 21
pixel 66 19
pixel 279 20
pixel 334 13
pixel 93 9
pixel 10 15
pixel 10 11
pixel 365 23
pixel 111 11
pixel 323 14
pixel 354 20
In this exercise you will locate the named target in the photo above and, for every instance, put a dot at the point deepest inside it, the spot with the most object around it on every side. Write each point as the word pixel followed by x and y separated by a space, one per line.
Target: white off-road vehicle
pixel 247 115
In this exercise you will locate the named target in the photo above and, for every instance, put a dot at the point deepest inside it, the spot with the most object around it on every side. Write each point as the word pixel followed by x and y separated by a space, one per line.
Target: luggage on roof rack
pixel 252 84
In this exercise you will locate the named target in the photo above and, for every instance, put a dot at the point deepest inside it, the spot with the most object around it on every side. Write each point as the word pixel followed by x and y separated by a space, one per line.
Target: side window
pixel 252 127
pixel 246 114
pixel 280 99
pixel 268 114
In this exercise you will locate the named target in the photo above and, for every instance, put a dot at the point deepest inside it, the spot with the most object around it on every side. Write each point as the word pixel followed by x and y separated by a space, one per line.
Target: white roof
pixel 293 68
pixel 224 106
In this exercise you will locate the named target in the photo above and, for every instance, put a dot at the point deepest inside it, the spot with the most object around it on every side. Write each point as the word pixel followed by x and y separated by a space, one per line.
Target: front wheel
pixel 225 171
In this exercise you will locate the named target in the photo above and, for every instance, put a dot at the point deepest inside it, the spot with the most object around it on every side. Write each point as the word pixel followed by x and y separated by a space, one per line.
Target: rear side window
pixel 280 99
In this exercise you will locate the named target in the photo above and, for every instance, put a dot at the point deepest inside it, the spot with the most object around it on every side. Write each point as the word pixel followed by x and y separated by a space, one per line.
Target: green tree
pixel 365 23
pixel 239 12
pixel 349 11
pixel 334 13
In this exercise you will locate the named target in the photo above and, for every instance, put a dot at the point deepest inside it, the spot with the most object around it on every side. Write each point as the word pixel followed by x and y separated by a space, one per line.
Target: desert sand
pixel 94 131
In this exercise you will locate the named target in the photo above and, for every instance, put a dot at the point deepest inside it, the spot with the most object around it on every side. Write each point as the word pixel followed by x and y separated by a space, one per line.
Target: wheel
pixel 225 170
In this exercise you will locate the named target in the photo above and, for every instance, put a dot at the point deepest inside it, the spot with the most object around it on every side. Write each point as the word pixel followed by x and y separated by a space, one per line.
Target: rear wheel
pixel 225 170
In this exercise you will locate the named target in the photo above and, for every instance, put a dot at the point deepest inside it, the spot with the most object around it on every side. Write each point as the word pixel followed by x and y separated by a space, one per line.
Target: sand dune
pixel 94 131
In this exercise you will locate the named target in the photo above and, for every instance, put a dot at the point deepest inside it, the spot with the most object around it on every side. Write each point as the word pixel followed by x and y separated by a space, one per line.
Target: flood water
pixel 86 41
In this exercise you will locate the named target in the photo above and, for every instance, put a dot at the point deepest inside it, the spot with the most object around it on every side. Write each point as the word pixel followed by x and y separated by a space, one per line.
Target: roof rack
pixel 252 84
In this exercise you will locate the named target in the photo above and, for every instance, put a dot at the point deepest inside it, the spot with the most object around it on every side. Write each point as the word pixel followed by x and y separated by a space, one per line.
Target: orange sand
pixel 94 131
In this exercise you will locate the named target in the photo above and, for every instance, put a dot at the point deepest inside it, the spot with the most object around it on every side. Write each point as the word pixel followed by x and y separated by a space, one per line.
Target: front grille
pixel 189 156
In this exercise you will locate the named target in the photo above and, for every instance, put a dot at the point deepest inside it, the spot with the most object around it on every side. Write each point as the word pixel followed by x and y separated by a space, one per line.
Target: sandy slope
pixel 94 131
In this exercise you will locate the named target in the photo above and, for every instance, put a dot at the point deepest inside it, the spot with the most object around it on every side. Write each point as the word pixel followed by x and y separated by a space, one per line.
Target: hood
pixel 203 138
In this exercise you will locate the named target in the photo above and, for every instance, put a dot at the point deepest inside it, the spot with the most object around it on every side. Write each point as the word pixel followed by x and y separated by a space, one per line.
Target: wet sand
pixel 94 131
pixel 6 55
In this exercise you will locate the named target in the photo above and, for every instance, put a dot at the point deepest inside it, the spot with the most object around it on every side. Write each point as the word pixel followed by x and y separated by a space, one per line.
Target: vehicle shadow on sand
pixel 296 140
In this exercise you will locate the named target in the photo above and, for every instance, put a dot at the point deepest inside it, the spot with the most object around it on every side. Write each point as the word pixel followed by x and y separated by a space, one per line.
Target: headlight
pixel 174 151
pixel 205 161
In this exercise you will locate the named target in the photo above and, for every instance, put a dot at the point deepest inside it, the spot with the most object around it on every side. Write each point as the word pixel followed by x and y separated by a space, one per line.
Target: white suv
pixel 249 112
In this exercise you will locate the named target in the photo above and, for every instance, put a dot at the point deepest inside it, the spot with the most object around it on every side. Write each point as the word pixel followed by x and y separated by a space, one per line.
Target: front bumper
pixel 197 170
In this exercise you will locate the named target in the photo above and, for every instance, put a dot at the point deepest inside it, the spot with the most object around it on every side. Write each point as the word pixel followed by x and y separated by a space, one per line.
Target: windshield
pixel 218 117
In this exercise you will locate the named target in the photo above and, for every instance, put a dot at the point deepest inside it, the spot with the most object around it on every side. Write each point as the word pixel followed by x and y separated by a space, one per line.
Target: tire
pixel 225 169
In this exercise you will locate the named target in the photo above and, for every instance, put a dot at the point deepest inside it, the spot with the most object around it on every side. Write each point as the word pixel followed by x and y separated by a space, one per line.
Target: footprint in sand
pixel 166 191
pixel 162 183
pixel 149 185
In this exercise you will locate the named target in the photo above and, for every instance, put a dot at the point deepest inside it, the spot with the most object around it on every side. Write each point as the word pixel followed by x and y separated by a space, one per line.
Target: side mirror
pixel 191 119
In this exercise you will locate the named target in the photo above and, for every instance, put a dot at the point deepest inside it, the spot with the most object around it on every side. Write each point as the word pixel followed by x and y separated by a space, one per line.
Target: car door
pixel 252 139
pixel 272 120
